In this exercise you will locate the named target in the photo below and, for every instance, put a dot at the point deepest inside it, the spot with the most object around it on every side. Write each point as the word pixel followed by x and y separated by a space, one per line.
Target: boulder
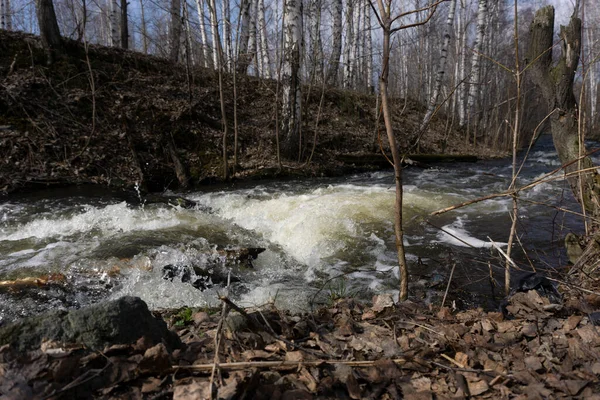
pixel 121 321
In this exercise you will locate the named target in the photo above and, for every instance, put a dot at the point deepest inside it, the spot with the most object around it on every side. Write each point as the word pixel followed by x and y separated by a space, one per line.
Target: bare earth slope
pixel 107 116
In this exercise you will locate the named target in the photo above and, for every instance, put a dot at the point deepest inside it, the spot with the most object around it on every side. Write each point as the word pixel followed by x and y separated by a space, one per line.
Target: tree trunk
pixel 441 67
pixel 292 91
pixel 336 51
pixel 189 50
pixel 316 47
pixel 556 85
pixel 368 49
pixel 144 30
pixel 226 15
pixel 475 87
pixel 206 49
pixel 49 31
pixel 124 25
pixel 114 24
pixel 264 42
pixel 242 46
pixel 386 24
pixel 252 39
pixel 218 58
pixel 348 51
pixel 175 30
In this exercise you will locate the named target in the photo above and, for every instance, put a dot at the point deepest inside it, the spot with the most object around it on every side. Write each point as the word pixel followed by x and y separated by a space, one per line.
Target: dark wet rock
pixel 219 268
pixel 120 321
pixel 541 284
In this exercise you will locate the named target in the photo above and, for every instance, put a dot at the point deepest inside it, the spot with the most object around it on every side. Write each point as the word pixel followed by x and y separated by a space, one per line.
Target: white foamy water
pixel 312 231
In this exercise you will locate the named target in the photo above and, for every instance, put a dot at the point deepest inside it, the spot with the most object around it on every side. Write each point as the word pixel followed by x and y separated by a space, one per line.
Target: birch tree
pixel 475 86
pixel 264 42
pixel 218 59
pixel 441 70
pixel 316 46
pixel 336 47
pixel 349 40
pixel 207 55
pixel 226 17
pixel 5 15
pixel 242 46
pixel 114 24
pixel 290 78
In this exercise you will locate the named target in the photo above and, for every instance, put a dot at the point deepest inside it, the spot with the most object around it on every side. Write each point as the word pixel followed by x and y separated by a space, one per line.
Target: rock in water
pixel 121 321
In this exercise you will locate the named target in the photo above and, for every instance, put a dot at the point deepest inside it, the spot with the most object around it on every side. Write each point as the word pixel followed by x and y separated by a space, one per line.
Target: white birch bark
pixel 114 24
pixel 441 70
pixel 252 39
pixel 242 46
pixel 475 87
pixel 264 42
pixel 349 38
pixel 214 28
pixel 336 47
pixel 207 53
pixel 355 47
pixel 369 48
pixel 226 16
pixel 316 47
pixel 461 48
pixel 290 78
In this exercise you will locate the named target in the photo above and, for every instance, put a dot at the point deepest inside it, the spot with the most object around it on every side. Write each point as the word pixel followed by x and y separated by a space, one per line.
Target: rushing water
pixel 313 230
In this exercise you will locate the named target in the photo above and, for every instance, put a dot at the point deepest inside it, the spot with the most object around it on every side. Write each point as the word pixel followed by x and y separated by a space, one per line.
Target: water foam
pixel 456 235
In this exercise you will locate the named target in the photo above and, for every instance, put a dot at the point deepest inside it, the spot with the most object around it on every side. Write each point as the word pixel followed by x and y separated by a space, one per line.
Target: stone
pixel 121 321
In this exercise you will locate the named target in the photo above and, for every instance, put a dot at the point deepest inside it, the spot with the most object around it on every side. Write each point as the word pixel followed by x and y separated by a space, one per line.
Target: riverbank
pixel 535 349
pixel 119 118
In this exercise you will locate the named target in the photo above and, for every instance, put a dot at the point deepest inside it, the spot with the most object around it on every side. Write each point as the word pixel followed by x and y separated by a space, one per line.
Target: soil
pixel 119 118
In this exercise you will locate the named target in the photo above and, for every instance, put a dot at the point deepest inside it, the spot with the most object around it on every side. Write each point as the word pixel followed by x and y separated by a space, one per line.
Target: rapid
pixel 323 237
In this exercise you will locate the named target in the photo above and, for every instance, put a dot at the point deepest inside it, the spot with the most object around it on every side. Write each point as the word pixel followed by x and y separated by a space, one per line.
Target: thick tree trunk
pixel 175 30
pixel 316 47
pixel 124 25
pixel 336 51
pixel 556 85
pixel 348 51
pixel 49 31
pixel 226 15
pixel 290 78
pixel 218 58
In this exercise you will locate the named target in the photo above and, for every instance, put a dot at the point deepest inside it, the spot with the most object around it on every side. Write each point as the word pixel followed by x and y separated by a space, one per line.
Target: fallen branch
pixel 284 363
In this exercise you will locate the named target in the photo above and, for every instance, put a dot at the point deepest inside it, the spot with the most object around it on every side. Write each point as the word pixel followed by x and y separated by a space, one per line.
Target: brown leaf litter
pixel 349 351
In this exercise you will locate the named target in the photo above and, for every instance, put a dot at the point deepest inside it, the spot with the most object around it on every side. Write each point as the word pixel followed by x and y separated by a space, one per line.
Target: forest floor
pixel 534 349
pixel 115 117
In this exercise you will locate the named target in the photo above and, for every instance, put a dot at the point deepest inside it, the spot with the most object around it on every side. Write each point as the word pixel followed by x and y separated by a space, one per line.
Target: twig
pixel 448 285
pixel 285 363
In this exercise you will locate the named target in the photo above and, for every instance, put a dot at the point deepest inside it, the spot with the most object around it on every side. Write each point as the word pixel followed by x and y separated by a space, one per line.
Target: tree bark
pixel 336 51
pixel 475 86
pixel 114 24
pixel 292 91
pixel 49 31
pixel 242 46
pixel 144 30
pixel 206 48
pixel 441 67
pixel 264 42
pixel 555 81
pixel 124 25
pixel 175 30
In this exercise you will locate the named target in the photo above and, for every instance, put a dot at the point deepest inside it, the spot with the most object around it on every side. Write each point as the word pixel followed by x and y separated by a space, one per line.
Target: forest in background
pixel 342 47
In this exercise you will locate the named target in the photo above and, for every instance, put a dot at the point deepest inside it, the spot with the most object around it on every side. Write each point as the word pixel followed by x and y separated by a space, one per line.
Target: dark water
pixel 314 231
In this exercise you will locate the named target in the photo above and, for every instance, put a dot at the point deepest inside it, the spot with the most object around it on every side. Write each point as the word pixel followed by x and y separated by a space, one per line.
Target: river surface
pixel 323 237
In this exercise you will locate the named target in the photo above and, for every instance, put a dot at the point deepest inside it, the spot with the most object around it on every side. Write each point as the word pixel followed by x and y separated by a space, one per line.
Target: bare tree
pixel 175 30
pixel 555 82
pixel 475 87
pixel 264 42
pixel 114 23
pixel 386 21
pixel 144 30
pixel 49 31
pixel 124 25
pixel 441 71
pixel 336 51
pixel 207 54
pixel 292 91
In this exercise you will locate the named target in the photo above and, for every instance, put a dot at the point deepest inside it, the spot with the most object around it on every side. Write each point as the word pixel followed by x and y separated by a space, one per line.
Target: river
pixel 323 237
